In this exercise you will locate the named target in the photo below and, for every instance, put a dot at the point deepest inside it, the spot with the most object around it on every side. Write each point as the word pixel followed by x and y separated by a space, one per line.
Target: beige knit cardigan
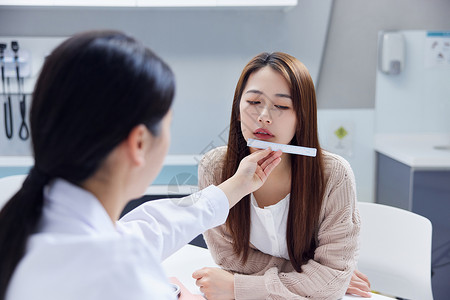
pixel 267 277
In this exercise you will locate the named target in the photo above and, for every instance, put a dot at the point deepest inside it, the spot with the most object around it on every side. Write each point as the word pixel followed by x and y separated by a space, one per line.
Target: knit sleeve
pixel 210 167
pixel 328 274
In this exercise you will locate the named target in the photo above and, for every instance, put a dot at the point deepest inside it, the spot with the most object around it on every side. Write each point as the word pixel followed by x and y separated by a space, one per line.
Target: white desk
pixel 191 258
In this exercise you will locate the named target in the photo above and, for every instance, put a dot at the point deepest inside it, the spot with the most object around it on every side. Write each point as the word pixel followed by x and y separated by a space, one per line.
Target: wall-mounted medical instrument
pixel 15 66
pixel 391 53
pixel 24 133
pixel 7 97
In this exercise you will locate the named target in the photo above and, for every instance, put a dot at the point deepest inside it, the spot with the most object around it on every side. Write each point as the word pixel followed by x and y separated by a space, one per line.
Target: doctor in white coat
pixel 100 121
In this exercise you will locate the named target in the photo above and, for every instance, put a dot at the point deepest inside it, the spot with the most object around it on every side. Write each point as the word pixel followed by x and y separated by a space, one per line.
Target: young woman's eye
pixel 281 107
pixel 253 102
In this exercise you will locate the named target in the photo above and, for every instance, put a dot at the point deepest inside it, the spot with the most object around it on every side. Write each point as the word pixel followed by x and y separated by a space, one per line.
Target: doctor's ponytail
pixel 92 91
pixel 19 218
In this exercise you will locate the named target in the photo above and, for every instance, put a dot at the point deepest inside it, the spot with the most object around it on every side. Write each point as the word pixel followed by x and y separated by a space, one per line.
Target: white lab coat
pixel 78 253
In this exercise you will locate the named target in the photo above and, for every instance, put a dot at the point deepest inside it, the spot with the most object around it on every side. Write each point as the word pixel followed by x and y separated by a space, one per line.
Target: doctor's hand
pixel 215 283
pixel 251 174
pixel 359 285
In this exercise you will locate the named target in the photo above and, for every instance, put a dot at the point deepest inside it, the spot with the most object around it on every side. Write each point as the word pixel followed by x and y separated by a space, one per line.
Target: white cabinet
pixel 153 3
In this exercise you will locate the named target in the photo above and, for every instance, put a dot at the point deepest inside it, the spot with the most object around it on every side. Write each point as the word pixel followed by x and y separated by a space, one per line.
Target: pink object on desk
pixel 185 294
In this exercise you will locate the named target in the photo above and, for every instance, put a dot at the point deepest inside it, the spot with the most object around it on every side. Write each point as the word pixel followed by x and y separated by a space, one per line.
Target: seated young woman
pixel 296 237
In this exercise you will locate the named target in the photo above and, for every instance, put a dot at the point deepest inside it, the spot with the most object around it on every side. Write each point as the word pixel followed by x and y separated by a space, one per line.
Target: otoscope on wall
pixel 7 97
pixel 16 65
pixel 24 133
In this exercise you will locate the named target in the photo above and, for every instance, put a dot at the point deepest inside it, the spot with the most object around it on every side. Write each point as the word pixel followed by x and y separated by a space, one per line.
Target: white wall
pixel 207 49
pixel 357 147
pixel 347 78
pixel 418 99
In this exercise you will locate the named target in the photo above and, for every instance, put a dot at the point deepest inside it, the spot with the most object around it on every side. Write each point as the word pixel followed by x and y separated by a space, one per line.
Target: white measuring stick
pixel 285 148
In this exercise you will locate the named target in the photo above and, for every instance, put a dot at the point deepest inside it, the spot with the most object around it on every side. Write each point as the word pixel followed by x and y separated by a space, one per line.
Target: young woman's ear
pixel 137 144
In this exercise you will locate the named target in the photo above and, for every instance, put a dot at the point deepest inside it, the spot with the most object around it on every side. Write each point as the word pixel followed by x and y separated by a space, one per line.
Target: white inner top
pixel 268 227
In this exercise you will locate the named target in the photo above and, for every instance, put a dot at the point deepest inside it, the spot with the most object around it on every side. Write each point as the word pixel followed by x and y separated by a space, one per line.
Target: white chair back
pixel 395 251
pixel 9 186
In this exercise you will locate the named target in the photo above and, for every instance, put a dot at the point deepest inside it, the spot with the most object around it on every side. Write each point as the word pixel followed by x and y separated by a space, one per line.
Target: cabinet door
pixel 431 199
pixel 393 184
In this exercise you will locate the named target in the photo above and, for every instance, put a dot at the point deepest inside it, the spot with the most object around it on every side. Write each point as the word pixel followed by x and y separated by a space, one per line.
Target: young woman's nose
pixel 264 116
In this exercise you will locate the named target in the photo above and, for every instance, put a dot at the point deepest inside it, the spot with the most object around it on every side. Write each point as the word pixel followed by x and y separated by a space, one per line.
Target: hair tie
pixel 37 177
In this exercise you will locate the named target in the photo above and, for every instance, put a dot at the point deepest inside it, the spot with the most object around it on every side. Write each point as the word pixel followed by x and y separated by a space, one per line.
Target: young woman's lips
pixel 262 134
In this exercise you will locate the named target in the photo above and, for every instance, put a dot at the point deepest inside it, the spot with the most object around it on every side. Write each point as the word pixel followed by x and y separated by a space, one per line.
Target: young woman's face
pixel 266 109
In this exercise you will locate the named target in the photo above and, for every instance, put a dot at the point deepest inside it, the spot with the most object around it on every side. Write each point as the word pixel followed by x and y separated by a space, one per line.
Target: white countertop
pixel 416 150
pixel 16 161
pixel 170 160
pixel 161 190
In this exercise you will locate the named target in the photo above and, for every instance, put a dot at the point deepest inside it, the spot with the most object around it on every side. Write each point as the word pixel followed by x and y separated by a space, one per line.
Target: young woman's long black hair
pixel 92 91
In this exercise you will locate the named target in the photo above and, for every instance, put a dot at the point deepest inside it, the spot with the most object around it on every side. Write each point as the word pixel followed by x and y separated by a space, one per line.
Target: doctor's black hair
pixel 92 91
